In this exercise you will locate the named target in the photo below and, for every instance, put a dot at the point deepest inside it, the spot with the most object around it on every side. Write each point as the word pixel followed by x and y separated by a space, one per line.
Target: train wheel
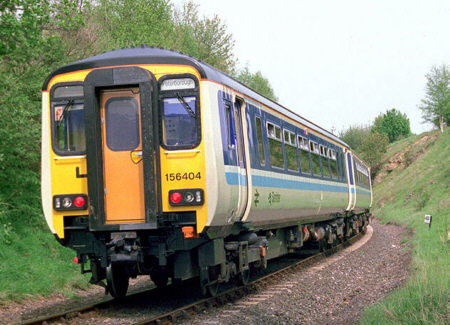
pixel 244 277
pixel 212 286
pixel 213 289
pixel 117 280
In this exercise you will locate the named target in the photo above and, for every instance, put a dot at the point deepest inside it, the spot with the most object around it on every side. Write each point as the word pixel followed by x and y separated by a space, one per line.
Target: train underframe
pixel 165 254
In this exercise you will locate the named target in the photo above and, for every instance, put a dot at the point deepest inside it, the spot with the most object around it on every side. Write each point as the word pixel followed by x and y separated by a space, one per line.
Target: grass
pixel 404 197
pixel 34 264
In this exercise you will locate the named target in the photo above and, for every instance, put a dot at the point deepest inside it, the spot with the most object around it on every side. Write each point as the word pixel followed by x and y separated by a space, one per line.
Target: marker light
pixel 175 197
pixel 79 201
pixel 186 197
pixel 67 202
pixel 189 197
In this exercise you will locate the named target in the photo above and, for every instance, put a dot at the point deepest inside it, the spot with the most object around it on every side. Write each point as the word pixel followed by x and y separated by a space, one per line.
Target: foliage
pixel 25 54
pixel 75 23
pixel 404 197
pixel 204 38
pixel 31 45
pixel 257 82
pixel 127 23
pixel 354 136
pixel 436 104
pixel 370 146
pixel 372 149
pixel 393 123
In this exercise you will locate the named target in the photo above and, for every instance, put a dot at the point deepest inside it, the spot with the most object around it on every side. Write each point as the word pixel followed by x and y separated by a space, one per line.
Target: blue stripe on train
pixel 233 179
pixel 264 181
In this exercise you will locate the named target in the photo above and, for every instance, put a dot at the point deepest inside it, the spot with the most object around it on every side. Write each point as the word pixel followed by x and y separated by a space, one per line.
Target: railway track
pixel 189 310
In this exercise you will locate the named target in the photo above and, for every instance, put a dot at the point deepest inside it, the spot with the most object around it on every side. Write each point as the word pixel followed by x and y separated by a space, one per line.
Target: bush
pixel 393 124
pixel 354 136
pixel 372 148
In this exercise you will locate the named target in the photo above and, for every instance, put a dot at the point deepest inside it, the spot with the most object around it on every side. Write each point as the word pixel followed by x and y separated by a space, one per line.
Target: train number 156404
pixel 180 176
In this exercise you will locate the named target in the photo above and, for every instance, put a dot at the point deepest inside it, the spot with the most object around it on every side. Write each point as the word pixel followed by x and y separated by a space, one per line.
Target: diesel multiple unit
pixel 156 163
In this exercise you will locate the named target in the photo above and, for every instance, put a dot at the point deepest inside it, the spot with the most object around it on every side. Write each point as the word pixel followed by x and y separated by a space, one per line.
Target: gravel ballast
pixel 335 294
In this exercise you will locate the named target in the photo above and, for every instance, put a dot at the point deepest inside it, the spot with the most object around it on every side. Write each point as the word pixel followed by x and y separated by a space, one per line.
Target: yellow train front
pixel 148 168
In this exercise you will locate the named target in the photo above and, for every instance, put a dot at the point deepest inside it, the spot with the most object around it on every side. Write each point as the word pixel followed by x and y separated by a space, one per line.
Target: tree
pixel 127 23
pixel 206 39
pixel 354 136
pixel 436 104
pixel 257 82
pixel 372 149
pixel 393 124
pixel 30 48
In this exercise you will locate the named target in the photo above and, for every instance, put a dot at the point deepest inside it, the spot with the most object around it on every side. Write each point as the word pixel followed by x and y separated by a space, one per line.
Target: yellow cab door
pixel 122 155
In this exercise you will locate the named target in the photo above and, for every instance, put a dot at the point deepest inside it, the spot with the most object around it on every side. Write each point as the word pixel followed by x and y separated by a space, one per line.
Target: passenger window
pixel 262 160
pixel 304 155
pixel 291 150
pixel 315 158
pixel 275 145
pixel 122 123
pixel 333 163
pixel 325 163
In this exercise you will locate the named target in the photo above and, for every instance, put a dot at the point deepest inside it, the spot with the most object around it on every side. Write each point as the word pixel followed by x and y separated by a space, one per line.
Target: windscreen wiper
pixel 185 105
pixel 65 110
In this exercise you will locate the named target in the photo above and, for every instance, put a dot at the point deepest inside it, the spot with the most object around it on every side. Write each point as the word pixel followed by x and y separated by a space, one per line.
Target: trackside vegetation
pixel 418 185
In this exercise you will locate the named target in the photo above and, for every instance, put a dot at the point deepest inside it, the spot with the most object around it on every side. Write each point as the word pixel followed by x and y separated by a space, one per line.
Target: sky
pixel 340 62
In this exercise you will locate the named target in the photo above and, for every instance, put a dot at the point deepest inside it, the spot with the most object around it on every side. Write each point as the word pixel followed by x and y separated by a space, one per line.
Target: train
pixel 156 163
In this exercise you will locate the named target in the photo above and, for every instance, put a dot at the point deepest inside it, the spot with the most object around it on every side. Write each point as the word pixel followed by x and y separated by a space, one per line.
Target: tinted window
pixel 260 143
pixel 179 122
pixel 290 146
pixel 122 123
pixel 315 158
pixel 304 155
pixel 325 167
pixel 334 169
pixel 275 145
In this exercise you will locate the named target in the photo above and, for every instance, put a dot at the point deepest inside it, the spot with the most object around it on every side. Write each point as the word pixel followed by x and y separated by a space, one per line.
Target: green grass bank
pixel 33 263
pixel 418 185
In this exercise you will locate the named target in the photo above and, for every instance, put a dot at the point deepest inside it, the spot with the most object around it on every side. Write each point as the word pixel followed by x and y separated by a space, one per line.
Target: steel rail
pixel 76 312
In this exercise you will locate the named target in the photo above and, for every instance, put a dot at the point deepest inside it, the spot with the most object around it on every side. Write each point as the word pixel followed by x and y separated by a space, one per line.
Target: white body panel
pixel 46 177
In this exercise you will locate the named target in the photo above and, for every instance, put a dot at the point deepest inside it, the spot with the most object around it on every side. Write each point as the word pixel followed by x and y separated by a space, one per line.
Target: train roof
pixel 153 55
